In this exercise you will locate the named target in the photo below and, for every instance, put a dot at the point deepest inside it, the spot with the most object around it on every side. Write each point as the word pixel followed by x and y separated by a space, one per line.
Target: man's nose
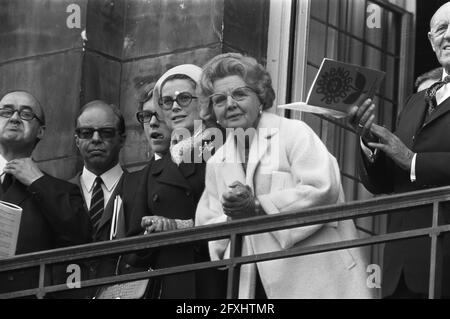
pixel 15 116
pixel 154 123
pixel 96 136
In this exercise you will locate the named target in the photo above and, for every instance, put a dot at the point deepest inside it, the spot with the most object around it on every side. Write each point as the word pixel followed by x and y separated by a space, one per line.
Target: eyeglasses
pixel 146 116
pixel 238 94
pixel 88 132
pixel 25 115
pixel 183 99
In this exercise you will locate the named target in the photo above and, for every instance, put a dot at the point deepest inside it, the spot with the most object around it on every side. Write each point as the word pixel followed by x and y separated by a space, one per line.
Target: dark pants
pixel 403 292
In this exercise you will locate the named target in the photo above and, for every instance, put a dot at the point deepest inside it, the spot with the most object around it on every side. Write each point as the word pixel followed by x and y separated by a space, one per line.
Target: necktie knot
pixel 430 93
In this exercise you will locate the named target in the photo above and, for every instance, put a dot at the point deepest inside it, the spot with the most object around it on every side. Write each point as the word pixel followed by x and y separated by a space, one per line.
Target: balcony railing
pixel 235 230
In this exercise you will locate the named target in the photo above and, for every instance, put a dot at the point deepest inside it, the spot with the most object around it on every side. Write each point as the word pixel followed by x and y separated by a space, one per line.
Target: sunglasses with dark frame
pixel 24 114
pixel 88 132
pixel 146 116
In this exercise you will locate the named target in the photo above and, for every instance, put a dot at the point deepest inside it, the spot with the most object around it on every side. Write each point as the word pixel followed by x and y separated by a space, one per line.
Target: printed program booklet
pixel 10 216
pixel 336 87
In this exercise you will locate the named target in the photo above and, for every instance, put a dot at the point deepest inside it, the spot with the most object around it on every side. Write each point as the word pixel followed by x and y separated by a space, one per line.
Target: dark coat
pixel 429 138
pixel 174 191
pixel 53 216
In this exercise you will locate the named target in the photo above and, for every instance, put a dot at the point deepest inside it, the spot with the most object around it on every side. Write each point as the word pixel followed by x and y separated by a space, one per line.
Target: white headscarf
pixel 190 70
pixel 183 148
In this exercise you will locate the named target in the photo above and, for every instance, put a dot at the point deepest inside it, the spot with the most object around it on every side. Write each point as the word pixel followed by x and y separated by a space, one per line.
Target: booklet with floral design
pixel 10 216
pixel 337 86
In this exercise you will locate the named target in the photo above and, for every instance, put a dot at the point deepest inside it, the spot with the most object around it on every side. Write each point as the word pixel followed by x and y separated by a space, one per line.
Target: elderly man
pixel 417 156
pixel 100 135
pixel 53 214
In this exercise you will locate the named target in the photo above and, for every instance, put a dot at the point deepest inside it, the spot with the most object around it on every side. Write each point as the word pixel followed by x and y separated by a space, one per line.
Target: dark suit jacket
pixel 429 138
pixel 53 216
pixel 172 191
pixel 105 266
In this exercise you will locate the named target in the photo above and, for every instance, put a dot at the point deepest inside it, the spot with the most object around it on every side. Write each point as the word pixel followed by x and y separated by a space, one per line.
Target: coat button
pixel 10 278
pixel 188 193
pixel 155 197
pixel 127 266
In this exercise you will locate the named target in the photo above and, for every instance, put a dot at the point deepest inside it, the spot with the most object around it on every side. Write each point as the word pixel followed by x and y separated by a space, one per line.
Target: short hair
pixel 435 74
pixel 145 95
pixel 253 73
pixel 114 109
pixel 39 105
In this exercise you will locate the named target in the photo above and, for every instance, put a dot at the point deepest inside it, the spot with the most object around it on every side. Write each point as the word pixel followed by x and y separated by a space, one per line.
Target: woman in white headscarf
pixel 172 185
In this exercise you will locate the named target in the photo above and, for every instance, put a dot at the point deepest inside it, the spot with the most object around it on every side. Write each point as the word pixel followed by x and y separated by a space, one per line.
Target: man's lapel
pixel 17 193
pixel 441 109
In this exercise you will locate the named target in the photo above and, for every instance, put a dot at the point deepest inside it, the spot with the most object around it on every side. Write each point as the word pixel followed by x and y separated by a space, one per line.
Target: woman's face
pixel 235 105
pixel 180 116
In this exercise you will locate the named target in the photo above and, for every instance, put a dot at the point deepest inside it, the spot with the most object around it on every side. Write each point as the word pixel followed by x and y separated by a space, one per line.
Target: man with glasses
pixel 99 137
pixel 52 209
pixel 414 157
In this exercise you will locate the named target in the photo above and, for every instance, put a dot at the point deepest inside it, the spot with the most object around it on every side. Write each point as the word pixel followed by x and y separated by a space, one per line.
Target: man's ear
pixel 77 141
pixel 430 38
pixel 41 132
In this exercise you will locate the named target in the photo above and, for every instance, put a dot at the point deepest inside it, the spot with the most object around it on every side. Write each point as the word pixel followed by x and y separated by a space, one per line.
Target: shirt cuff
pixel 184 223
pixel 413 168
pixel 367 151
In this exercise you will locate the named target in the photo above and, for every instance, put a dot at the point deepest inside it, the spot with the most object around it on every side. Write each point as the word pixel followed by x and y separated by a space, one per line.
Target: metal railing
pixel 235 230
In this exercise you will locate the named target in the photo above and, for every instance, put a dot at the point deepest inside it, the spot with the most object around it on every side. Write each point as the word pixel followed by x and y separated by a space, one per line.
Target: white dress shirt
pixel 3 162
pixel 110 180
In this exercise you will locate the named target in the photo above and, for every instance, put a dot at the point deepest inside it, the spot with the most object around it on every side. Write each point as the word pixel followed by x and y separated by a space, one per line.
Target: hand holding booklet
pixel 336 88
pixel 10 216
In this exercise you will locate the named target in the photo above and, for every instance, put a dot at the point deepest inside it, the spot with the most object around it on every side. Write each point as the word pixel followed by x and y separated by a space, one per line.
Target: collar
pixel 444 74
pixel 110 177
pixel 157 156
pixel 3 162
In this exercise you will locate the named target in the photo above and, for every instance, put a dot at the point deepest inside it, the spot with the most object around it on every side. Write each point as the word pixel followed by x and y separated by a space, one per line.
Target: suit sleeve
pixel 62 205
pixel 432 169
pixel 377 177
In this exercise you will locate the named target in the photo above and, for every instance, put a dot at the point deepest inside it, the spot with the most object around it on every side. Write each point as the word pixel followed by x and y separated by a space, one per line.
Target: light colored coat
pixel 289 169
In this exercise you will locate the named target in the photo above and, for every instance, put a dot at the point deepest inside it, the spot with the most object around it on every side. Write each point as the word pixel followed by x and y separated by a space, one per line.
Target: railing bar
pixel 292 252
pixel 40 294
pixel 234 268
pixel 246 226
pixel 434 288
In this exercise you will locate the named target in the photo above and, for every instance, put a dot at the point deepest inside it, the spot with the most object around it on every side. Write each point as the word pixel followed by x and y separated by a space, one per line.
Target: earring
pixel 218 122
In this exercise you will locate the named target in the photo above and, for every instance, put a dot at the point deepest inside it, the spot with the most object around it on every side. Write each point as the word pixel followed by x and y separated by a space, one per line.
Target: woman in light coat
pixel 278 166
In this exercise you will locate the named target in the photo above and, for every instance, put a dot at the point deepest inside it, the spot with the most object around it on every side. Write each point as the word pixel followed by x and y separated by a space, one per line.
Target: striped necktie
pixel 430 94
pixel 97 202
